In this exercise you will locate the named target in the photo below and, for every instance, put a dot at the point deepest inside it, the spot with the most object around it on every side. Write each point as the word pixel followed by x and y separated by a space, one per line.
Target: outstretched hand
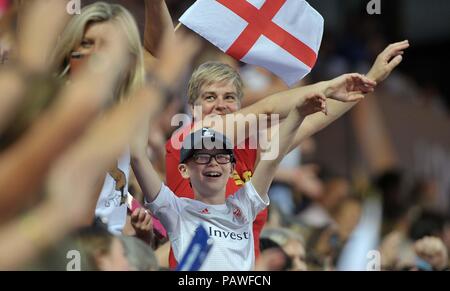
pixel 349 87
pixel 312 103
pixel 387 61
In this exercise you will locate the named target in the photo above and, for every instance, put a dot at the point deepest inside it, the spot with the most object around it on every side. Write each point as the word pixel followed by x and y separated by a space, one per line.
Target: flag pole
pixel 178 26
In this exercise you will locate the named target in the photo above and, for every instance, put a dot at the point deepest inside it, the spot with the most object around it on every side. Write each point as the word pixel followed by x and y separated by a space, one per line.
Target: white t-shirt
pixel 110 206
pixel 230 225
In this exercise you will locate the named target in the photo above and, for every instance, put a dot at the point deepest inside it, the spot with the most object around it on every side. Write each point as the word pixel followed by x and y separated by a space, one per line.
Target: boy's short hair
pixel 205 138
pixel 213 72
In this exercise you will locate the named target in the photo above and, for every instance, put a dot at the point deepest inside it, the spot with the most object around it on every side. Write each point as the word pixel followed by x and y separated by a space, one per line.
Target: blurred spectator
pixel 433 251
pixel 140 255
pixel 273 257
pixel 35 108
pixel 319 213
pixel 325 242
pixel 102 250
pixel 291 243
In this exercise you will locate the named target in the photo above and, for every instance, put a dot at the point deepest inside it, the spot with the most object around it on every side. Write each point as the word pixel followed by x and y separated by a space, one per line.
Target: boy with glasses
pixel 207 160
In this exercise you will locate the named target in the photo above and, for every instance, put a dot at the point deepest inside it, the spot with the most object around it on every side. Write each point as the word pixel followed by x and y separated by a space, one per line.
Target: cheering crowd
pixel 92 163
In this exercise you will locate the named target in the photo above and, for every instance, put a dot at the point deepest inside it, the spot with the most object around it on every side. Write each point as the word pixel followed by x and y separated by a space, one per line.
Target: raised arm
pixel 24 164
pixel 174 58
pixel 39 31
pixel 346 88
pixel 147 177
pixel 265 170
pixel 158 26
pixel 385 63
pixel 37 34
pixel 73 184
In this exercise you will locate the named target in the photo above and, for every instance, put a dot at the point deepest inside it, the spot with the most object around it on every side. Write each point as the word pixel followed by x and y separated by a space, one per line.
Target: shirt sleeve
pixel 250 200
pixel 167 208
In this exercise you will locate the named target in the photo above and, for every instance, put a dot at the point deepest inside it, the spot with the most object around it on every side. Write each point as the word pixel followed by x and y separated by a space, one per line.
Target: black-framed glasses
pixel 204 158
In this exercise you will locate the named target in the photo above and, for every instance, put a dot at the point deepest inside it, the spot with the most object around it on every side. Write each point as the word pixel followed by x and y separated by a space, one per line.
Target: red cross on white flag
pixel 282 36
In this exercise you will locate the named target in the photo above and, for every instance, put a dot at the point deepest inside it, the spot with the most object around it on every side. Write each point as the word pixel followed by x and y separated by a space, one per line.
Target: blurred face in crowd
pixel 327 245
pixel 336 190
pixel 218 98
pixel 93 41
pixel 92 30
pixel 446 235
pixel 295 250
pixel 208 175
pixel 115 259
pixel 347 217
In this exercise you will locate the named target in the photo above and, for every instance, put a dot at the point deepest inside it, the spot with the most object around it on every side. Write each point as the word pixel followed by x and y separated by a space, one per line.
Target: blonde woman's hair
pixel 213 72
pixel 97 13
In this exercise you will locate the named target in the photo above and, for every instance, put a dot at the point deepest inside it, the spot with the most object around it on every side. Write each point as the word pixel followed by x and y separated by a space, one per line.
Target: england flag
pixel 282 36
